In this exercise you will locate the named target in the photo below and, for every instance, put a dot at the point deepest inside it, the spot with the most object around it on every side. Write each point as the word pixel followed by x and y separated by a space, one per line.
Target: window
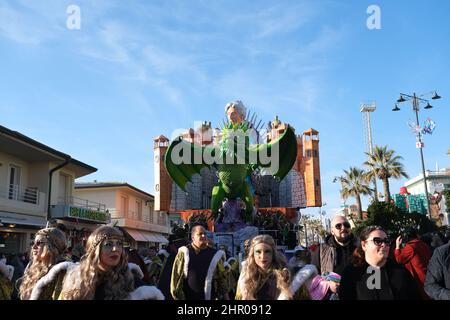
pixel 139 209
pixel 14 182
pixel 150 214
pixel 162 219
pixel 64 188
pixel 124 206
pixel 316 154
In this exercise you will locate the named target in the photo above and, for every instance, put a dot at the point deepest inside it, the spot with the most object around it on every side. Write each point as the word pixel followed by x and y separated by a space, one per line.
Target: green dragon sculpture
pixel 235 159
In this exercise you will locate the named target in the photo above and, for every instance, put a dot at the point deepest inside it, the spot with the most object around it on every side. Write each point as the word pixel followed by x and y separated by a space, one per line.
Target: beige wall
pixel 106 197
pixel 55 183
pixel 6 160
pixel 27 179
pixel 111 197
pixel 132 197
pixel 38 176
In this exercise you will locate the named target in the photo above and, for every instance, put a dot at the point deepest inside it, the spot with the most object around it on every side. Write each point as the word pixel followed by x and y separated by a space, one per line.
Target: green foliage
pixel 394 220
pixel 384 164
pixel 354 183
pixel 446 194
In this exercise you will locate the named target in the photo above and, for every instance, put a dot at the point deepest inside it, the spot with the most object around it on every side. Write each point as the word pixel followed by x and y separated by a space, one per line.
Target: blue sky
pixel 138 69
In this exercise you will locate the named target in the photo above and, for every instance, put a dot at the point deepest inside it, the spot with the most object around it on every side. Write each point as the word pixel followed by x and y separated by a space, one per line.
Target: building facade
pixel 131 209
pixel 36 190
pixel 437 181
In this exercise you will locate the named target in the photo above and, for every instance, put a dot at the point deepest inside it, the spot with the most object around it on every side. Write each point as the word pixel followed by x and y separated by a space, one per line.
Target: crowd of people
pixel 371 266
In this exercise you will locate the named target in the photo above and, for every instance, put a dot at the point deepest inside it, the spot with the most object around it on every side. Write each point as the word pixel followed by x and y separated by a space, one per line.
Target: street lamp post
pixel 416 100
pixel 322 214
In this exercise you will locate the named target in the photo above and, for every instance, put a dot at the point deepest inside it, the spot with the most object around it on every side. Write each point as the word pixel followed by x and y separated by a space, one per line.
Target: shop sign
pixel 86 214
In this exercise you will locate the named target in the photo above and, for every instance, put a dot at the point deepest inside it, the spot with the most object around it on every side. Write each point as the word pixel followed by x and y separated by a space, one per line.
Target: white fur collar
pixel 136 270
pixel 49 277
pixel 163 252
pixel 305 273
pixel 231 259
pixel 185 251
pixel 146 293
pixel 7 270
pixel 209 276
pixel 241 280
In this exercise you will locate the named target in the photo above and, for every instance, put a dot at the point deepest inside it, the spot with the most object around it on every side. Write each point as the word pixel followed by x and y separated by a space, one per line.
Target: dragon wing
pixel 276 157
pixel 184 159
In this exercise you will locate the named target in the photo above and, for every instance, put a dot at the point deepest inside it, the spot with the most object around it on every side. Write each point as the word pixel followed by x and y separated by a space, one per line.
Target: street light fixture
pixel 401 99
pixel 416 100
pixel 436 96
pixel 396 108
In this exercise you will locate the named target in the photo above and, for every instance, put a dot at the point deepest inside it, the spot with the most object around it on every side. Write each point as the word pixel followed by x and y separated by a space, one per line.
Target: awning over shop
pixel 155 237
pixel 21 219
pixel 146 236
pixel 136 235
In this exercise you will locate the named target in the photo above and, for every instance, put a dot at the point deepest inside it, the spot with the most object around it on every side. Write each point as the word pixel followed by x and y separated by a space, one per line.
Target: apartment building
pixel 36 188
pixel 131 209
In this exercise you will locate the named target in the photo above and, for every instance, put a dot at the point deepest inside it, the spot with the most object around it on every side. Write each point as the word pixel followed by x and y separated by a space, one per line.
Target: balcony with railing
pixel 83 203
pixel 78 209
pixel 28 200
pixel 131 219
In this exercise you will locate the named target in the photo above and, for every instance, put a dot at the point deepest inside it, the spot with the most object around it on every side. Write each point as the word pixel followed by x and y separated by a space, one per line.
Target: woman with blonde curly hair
pixel 46 251
pixel 104 272
pixel 265 276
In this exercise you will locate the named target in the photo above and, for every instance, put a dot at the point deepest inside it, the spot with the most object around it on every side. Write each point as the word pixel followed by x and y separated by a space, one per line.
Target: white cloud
pixel 24 27
pixel 281 20
pixel 107 43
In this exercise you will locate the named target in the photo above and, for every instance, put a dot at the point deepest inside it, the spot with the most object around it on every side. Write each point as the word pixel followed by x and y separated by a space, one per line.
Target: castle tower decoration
pixel 163 183
pixel 291 190
pixel 312 168
pixel 299 189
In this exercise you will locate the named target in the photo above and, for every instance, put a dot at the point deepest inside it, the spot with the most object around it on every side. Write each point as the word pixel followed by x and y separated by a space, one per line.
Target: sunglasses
pixel 345 224
pixel 37 243
pixel 379 241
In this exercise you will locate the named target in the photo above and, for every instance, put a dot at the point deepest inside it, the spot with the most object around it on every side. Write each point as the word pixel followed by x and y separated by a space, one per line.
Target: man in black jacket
pixel 336 252
pixel 437 281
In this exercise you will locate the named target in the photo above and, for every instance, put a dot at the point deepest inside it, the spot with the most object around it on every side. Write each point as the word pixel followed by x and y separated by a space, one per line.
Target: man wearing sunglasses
pixel 336 252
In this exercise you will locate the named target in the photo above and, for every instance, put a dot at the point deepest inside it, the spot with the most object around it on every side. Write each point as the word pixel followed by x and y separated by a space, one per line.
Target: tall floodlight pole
pixel 366 109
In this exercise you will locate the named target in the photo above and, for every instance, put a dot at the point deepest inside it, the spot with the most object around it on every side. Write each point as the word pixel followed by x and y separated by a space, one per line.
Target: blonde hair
pixel 52 252
pixel 83 283
pixel 254 276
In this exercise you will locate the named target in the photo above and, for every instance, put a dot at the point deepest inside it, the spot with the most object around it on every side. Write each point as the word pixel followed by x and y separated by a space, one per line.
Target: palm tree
pixel 354 183
pixel 383 164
